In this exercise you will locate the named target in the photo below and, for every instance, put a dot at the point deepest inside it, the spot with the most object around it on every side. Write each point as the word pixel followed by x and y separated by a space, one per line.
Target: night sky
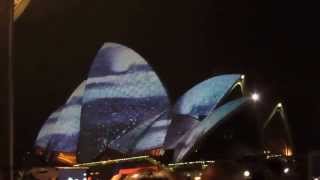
pixel 275 43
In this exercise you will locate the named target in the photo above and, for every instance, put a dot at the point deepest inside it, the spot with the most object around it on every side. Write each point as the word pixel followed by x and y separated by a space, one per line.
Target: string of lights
pixel 109 162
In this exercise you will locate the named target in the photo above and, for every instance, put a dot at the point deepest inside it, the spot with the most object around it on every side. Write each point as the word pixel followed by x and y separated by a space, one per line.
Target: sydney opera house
pixel 122 110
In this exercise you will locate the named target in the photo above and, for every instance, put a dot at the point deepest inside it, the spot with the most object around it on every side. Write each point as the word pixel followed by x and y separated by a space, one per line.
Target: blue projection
pixel 46 130
pixel 148 135
pixel 61 131
pixel 179 126
pixel 154 136
pixel 199 101
pixel 122 92
pixel 123 106
pixel 192 137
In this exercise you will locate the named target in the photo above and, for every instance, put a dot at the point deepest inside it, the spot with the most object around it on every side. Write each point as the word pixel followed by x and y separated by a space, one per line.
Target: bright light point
pixel 246 173
pixel 242 77
pixel 286 170
pixel 84 174
pixel 279 105
pixel 135 176
pixel 315 178
pixel 70 178
pixel 255 97
pixel 288 152
pixel 197 178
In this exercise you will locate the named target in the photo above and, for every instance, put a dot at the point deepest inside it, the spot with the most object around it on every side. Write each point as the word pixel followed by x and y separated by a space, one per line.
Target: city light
pixel 315 178
pixel 246 173
pixel 197 178
pixel 191 163
pixel 114 161
pixel 279 105
pixel 255 97
pixel 288 152
pixel 243 76
pixel 204 166
pixel 135 176
pixel 286 170
pixel 266 152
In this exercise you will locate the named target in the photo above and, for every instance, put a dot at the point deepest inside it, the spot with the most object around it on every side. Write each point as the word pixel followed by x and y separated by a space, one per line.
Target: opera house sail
pixel 123 108
pixel 121 99
pixel 276 133
pixel 122 92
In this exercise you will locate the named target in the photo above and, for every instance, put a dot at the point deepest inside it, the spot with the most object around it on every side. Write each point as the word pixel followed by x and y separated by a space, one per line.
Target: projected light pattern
pixel 45 132
pixel 154 136
pixel 61 131
pixel 123 107
pixel 199 101
pixel 122 92
pixel 148 135
pixel 179 126
pixel 194 136
pixel 67 127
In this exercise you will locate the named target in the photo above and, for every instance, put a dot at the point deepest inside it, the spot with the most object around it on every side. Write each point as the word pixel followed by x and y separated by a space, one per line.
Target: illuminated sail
pixel 197 103
pixel 61 131
pixel 203 98
pixel 192 137
pixel 122 92
pixel 123 107
pixel 46 130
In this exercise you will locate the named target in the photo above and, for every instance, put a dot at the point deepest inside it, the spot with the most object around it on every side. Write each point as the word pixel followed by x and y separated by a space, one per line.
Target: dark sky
pixel 275 43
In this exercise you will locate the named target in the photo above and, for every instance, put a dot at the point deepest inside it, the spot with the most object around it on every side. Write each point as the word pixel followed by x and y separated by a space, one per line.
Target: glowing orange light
pixel 19 7
pixel 67 158
pixel 288 152
pixel 136 170
pixel 156 152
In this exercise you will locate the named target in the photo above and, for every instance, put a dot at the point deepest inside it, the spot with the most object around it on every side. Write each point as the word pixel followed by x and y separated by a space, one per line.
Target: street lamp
pixel 246 173
pixel 255 97
pixel 286 170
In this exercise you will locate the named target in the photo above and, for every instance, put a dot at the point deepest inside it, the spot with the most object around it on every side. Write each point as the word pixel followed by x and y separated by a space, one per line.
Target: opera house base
pixel 263 167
